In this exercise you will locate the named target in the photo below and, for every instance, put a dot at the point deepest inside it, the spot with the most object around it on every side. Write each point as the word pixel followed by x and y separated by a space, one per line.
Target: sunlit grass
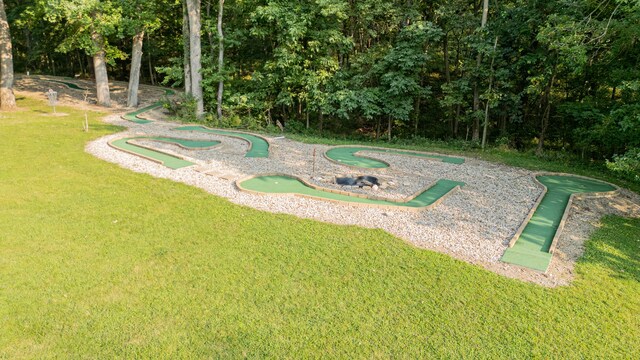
pixel 97 261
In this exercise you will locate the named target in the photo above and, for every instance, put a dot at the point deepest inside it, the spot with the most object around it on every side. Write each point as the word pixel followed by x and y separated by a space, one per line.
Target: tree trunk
pixel 476 92
pixel 547 112
pixel 152 75
pixel 7 98
pixel 185 42
pixel 134 75
pixel 486 110
pixel 447 77
pixel 100 69
pixel 220 58
pixel 195 54
pixel 416 122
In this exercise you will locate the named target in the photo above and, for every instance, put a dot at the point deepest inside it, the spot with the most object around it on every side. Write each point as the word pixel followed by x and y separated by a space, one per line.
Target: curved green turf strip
pixel 531 250
pixel 133 116
pixel 280 184
pixel 69 84
pixel 166 159
pixel 259 146
pixel 347 155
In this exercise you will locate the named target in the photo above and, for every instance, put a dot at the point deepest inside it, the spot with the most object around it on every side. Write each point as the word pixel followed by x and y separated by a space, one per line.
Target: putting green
pixel 259 147
pixel 531 249
pixel 280 184
pixel 167 160
pixel 347 155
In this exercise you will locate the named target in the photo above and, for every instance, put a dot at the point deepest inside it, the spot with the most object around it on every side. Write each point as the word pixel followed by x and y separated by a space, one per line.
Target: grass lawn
pixel 97 261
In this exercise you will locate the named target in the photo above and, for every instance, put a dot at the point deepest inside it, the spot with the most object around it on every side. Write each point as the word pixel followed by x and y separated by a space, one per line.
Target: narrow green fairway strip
pixel 259 146
pixel 69 84
pixel 289 185
pixel 189 144
pixel 532 247
pixel 133 116
pixel 167 160
pixel 347 155
pixel 97 261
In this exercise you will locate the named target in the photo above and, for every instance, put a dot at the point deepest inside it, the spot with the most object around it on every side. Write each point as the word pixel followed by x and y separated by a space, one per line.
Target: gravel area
pixel 486 212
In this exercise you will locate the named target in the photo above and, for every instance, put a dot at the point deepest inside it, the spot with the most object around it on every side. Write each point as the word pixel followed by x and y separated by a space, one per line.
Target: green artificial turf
pixel 288 185
pixel 133 116
pixel 531 250
pixel 259 146
pixel 69 84
pixel 186 143
pixel 167 160
pixel 347 155
pixel 97 261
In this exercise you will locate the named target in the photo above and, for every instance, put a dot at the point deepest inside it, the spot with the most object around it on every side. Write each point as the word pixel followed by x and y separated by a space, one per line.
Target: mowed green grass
pixel 100 262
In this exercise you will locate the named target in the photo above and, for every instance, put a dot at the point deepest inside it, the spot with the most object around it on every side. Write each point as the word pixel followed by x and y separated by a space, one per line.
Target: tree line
pixel 541 74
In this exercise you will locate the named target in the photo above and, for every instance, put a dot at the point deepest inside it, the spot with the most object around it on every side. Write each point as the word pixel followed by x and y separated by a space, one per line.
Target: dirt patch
pixel 36 86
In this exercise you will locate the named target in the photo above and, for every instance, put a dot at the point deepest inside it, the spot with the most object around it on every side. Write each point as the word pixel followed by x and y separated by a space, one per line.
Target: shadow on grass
pixel 616 247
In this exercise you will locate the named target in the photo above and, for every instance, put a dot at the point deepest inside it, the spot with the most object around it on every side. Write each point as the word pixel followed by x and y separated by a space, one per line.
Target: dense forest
pixel 537 75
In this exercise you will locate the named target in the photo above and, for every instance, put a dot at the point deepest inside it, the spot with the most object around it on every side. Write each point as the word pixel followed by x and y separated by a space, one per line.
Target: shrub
pixel 627 165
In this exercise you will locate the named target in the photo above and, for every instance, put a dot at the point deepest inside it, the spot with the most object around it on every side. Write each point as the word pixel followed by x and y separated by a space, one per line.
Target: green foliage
pixel 567 68
pixel 182 107
pixel 628 164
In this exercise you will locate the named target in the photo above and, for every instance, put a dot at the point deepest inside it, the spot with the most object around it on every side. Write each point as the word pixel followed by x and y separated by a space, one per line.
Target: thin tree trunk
pixel 81 63
pixel 100 70
pixel 547 112
pixel 134 75
pixel 220 58
pixel 476 92
pixel 486 110
pixel 456 123
pixel 152 75
pixel 7 98
pixel 416 122
pixel 447 76
pixel 212 47
pixel 185 41
pixel 195 52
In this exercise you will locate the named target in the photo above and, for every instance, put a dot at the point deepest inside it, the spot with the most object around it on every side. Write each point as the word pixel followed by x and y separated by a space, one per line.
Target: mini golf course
pixel 258 146
pixel 281 184
pixel 532 247
pixel 167 160
pixel 347 155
